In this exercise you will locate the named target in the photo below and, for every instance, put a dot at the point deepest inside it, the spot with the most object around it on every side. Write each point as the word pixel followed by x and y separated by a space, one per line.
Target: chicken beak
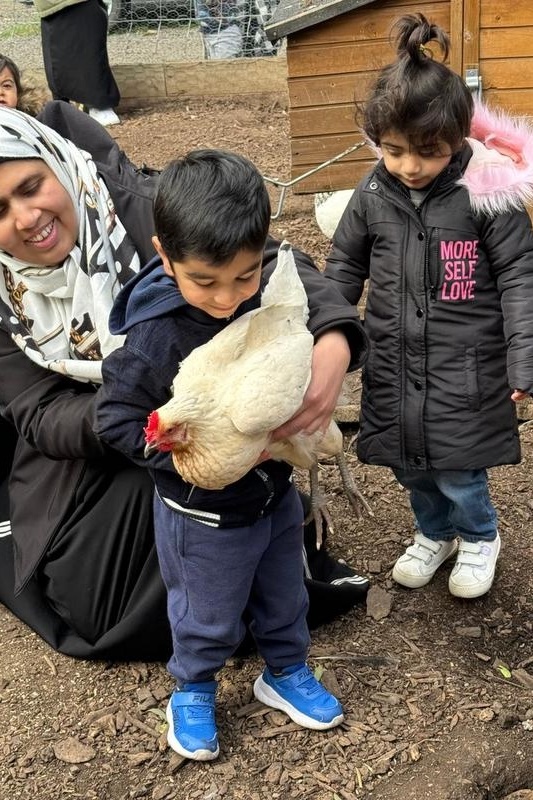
pixel 149 448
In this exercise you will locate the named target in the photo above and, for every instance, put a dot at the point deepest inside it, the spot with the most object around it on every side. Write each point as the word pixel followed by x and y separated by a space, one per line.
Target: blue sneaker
pixel 192 730
pixel 297 692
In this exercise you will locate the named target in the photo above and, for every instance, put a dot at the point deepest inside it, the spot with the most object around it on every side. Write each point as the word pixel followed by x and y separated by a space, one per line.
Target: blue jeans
pixel 450 503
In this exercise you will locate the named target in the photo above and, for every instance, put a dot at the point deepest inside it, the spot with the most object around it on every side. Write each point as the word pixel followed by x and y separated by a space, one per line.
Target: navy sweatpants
pixel 214 575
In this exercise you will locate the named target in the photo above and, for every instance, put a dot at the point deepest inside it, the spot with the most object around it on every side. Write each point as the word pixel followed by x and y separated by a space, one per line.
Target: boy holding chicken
pixel 234 552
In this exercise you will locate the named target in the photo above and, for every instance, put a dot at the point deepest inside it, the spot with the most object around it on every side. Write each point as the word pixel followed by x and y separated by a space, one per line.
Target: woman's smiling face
pixel 38 221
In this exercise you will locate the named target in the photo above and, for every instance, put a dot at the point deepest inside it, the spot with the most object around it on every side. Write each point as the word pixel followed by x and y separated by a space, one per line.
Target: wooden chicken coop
pixel 336 47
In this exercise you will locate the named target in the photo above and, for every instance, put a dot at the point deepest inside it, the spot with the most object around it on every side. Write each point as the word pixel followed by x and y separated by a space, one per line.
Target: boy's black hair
pixel 209 205
pixel 418 96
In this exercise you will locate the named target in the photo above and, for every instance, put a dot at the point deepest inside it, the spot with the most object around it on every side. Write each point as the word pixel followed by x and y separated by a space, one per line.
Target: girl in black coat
pixel 440 232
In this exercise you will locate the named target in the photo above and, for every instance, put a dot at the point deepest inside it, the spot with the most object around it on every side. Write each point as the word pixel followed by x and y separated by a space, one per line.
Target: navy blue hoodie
pixel 161 330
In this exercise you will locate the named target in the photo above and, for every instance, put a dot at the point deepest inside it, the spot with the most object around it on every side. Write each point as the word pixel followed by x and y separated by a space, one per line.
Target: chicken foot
pixel 356 499
pixel 319 511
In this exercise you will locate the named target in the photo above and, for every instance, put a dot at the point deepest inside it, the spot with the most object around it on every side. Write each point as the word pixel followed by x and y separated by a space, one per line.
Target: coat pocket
pixel 472 379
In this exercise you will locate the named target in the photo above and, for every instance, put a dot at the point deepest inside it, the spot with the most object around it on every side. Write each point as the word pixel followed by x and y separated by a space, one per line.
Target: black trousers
pixel 98 592
pixel 74 43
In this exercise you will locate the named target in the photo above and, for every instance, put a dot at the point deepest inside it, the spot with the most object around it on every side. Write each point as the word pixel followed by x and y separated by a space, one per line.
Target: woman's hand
pixel 331 358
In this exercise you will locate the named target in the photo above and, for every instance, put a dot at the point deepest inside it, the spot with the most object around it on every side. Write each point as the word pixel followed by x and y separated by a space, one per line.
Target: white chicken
pixel 231 392
pixel 329 208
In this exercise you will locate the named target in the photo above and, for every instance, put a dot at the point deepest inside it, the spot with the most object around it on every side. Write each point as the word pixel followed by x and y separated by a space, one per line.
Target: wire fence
pixel 154 31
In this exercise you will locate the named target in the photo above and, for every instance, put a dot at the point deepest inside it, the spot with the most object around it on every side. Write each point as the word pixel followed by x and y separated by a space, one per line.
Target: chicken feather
pixel 231 392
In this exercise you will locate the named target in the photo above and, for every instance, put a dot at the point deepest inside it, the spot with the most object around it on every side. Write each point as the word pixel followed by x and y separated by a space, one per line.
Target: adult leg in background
pixel 74 43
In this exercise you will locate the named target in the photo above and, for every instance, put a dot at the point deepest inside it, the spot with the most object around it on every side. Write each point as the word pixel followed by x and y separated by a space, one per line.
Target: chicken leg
pixel 319 511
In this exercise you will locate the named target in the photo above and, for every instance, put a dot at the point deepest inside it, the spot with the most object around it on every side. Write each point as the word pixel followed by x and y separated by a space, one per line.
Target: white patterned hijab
pixel 58 315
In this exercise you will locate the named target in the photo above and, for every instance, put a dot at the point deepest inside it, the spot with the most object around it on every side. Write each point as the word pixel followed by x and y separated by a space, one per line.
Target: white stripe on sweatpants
pixel 207 517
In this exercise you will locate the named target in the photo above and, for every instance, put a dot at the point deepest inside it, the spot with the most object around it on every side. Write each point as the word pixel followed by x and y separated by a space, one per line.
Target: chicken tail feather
pixel 285 286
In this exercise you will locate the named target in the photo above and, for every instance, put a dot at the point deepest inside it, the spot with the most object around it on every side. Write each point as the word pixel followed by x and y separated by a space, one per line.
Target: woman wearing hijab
pixel 77 556
pixel 84 573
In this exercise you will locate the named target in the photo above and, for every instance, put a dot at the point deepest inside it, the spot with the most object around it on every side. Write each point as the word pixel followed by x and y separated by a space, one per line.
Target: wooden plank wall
pixel 506 54
pixel 147 84
pixel 329 66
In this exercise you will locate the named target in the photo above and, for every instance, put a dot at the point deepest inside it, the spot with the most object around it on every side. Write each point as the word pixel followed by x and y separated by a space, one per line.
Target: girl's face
pixel 8 89
pixel 415 166
pixel 38 221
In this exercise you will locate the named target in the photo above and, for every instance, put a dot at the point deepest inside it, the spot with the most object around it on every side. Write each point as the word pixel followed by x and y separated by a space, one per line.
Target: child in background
pixel 235 28
pixel 440 232
pixel 13 93
pixel 237 551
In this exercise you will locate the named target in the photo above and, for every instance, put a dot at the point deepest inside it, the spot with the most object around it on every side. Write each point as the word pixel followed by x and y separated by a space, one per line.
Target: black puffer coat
pixel 449 315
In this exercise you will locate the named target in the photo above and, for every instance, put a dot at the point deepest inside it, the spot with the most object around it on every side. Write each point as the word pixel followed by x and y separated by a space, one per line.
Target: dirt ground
pixel 438 692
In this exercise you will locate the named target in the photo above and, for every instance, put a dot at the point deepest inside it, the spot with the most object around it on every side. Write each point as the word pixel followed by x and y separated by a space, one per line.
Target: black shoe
pixel 330 599
pixel 334 587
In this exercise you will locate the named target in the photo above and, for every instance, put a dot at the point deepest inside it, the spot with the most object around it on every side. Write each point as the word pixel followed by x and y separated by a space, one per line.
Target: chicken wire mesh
pixel 154 31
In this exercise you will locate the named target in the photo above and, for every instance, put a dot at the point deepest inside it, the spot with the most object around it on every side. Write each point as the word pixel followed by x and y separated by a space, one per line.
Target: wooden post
pixel 471 24
pixel 456 35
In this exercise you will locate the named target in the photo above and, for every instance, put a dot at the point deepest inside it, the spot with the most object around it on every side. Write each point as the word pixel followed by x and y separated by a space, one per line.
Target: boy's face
pixel 415 166
pixel 220 290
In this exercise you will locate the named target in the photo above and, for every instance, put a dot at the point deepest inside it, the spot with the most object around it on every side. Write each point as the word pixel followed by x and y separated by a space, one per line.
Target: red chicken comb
pixel 152 428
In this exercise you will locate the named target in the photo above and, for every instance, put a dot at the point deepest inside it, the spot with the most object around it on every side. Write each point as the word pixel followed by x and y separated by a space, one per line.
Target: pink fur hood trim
pixel 499 176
